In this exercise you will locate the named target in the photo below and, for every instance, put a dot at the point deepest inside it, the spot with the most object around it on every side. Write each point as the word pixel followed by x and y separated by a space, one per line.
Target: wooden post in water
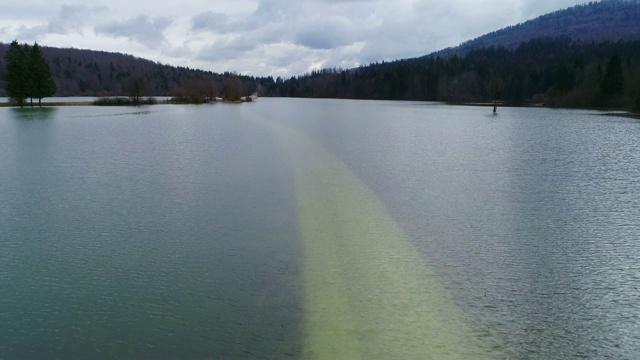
pixel 496 84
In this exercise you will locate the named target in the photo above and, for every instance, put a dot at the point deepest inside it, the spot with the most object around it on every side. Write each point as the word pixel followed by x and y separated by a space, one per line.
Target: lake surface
pixel 296 228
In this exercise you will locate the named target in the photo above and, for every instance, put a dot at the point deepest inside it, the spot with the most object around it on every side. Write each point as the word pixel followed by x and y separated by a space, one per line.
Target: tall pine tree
pixel 17 76
pixel 613 80
pixel 42 85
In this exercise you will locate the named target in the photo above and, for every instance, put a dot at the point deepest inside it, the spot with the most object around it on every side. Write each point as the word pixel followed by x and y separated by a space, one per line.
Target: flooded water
pixel 291 228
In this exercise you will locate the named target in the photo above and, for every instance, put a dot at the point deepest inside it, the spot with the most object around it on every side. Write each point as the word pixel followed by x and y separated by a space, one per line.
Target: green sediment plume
pixel 367 292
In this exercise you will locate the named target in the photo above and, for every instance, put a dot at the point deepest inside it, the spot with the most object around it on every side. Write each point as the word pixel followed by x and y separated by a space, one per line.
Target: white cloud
pixel 325 32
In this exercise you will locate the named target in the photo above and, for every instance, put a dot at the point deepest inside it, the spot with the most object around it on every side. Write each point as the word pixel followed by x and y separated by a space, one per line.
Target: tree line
pixel 546 71
pixel 555 71
pixel 27 74
pixel 198 92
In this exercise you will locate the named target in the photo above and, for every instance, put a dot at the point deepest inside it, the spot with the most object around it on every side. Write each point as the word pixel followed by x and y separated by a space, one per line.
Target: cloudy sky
pixel 264 37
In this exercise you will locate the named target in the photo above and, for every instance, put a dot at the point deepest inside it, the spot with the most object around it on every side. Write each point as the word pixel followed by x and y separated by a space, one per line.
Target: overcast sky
pixel 264 37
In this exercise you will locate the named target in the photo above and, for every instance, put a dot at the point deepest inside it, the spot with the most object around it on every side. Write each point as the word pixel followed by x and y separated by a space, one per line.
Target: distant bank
pixel 118 101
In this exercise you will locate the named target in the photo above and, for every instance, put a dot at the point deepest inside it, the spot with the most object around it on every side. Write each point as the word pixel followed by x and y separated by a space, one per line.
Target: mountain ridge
pixel 607 20
pixel 82 72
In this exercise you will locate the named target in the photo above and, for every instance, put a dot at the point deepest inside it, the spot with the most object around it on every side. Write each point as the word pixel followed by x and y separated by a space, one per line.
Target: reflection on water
pixel 33 113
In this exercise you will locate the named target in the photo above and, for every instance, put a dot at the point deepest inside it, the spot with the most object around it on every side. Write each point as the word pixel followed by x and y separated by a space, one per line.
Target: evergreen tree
pixel 613 80
pixel 636 105
pixel 42 85
pixel 233 88
pixel 17 76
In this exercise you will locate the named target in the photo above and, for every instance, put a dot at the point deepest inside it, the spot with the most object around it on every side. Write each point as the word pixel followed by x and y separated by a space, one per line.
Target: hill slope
pixel 608 20
pixel 98 73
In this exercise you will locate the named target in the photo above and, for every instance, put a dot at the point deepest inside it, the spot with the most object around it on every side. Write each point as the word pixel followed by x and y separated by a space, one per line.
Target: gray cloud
pixel 325 33
pixel 228 48
pixel 279 21
pixel 142 29
pixel 70 18
pixel 269 15
pixel 213 22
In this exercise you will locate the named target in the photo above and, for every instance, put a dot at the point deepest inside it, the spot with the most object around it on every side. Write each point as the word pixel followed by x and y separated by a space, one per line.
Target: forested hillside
pixel 97 73
pixel 549 71
pixel 607 20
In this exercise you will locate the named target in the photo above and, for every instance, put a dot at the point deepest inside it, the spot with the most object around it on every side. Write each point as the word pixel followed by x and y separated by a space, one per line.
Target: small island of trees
pixel 198 91
pixel 28 75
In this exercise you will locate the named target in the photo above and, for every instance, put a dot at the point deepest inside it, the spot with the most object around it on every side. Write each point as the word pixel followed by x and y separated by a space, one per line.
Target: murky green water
pixel 318 229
